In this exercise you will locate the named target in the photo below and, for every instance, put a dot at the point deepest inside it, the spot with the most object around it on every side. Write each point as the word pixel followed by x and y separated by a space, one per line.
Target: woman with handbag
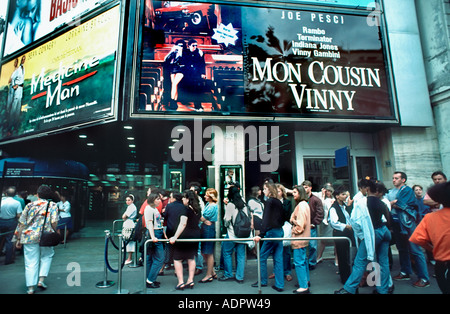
pixel 38 217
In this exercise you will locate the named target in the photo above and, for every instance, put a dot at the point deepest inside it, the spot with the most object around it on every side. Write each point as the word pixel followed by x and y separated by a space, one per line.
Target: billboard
pixel 69 80
pixel 3 9
pixel 29 21
pixel 227 60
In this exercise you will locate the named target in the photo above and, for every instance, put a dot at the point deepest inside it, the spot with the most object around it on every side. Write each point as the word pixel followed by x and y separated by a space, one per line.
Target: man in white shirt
pixel 10 211
pixel 17 81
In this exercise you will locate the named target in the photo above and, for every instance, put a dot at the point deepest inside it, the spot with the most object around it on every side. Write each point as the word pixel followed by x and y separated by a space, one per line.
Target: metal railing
pixel 257 246
pixel 244 241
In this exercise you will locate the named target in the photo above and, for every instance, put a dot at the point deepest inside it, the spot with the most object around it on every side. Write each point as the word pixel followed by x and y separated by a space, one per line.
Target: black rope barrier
pixel 106 253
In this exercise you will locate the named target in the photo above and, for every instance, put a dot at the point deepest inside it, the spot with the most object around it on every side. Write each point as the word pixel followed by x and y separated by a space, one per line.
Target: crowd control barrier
pixel 257 245
pixel 105 283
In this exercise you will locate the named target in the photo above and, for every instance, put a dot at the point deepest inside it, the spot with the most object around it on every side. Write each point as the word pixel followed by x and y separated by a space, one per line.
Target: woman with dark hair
pixel 380 217
pixel 175 68
pixel 272 227
pixel 128 223
pixel 155 258
pixel 235 203
pixel 339 219
pixel 28 233
pixel 188 228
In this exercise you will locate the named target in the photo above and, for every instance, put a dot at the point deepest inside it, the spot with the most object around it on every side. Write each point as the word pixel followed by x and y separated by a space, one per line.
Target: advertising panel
pixel 69 80
pixel 30 20
pixel 3 9
pixel 216 60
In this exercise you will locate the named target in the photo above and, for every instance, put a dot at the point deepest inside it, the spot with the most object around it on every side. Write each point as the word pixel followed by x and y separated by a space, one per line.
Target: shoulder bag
pixel 49 238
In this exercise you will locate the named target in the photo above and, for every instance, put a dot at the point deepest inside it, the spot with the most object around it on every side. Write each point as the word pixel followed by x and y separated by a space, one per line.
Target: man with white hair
pixel 10 211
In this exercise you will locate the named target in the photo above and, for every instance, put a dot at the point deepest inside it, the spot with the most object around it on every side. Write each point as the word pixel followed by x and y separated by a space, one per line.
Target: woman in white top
pixel 65 218
pixel 155 256
pixel 128 217
pixel 256 208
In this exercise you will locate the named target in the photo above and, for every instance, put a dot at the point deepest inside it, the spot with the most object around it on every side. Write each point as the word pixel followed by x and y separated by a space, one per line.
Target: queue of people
pixel 373 220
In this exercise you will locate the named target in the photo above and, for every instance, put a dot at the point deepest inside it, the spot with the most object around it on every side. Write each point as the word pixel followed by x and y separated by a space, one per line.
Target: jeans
pixel 155 257
pixel 37 262
pixel 277 248
pixel 359 267
pixel 227 253
pixel 405 248
pixel 382 241
pixel 313 248
pixel 301 267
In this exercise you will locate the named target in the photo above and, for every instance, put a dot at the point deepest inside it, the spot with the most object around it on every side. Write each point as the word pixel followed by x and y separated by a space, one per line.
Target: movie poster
pixel 69 80
pixel 3 9
pixel 29 20
pixel 217 59
pixel 192 58
pixel 306 63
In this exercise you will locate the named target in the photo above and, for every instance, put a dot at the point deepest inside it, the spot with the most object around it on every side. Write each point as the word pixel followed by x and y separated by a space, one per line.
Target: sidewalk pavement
pixel 79 266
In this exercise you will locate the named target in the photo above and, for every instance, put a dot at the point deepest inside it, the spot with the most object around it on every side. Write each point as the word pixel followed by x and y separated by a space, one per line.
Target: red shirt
pixel 434 231
pixel 159 208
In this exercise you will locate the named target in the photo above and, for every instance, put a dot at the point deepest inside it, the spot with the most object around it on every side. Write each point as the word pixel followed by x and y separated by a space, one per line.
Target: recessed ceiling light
pixel 90 144
pixel 131 145
pixel 128 127
pixel 82 136
pixel 130 138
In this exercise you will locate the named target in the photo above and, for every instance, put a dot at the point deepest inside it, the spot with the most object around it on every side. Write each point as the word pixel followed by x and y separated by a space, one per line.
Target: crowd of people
pixel 374 219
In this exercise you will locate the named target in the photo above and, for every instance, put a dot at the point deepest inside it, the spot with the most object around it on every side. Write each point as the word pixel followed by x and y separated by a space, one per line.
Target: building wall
pixel 418 42
pixel 434 21
pixel 415 152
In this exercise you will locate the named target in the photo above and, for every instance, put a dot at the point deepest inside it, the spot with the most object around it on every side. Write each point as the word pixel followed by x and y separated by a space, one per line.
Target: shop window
pixel 365 167
pixel 322 170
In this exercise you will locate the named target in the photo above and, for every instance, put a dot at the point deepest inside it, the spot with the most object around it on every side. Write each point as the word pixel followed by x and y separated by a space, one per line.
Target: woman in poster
pixel 175 68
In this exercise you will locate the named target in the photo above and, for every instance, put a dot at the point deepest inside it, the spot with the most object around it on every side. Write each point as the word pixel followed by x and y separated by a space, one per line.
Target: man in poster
pixel 195 71
pixel 16 93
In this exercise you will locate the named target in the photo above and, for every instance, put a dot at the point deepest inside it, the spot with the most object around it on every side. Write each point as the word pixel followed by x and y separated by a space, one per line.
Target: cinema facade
pixel 163 93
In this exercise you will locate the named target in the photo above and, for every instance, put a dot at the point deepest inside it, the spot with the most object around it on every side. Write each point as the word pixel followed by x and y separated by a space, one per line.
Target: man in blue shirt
pixel 407 212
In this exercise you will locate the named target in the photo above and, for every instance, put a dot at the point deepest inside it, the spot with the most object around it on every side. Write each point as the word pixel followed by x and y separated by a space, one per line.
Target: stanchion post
pixel 105 283
pixel 145 266
pixel 258 261
pixel 119 276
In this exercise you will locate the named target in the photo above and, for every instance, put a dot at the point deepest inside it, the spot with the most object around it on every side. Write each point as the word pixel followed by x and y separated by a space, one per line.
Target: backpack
pixel 138 230
pixel 242 224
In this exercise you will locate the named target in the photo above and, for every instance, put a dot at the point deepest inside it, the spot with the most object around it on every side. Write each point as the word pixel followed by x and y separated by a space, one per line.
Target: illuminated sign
pixel 30 20
pixel 214 59
pixel 69 80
